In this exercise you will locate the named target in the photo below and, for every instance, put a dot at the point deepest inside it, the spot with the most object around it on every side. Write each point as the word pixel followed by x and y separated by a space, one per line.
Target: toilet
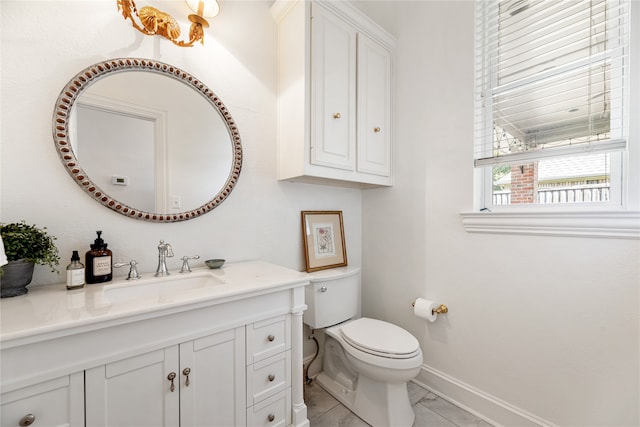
pixel 366 362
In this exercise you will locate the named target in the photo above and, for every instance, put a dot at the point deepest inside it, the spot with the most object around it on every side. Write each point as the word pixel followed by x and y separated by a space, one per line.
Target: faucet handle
pixel 185 263
pixel 133 270
pixel 163 246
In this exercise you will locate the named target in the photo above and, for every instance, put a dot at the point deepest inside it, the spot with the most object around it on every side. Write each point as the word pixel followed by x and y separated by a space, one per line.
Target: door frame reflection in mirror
pixel 63 139
pixel 110 118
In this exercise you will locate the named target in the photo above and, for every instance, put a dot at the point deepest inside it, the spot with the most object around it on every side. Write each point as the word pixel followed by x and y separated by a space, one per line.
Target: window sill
pixel 621 225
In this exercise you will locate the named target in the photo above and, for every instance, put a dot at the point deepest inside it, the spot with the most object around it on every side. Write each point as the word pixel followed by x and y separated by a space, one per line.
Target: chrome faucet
pixel 185 263
pixel 164 251
pixel 133 269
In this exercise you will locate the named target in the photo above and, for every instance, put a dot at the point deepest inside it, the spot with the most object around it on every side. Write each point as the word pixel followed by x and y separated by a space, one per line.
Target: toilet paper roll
pixel 425 309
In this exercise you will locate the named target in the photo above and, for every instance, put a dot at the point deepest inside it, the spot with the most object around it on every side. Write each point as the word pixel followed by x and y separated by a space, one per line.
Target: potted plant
pixel 24 245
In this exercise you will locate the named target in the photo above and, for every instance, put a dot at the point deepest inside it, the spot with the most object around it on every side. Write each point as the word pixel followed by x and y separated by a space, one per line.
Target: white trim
pixel 361 22
pixel 609 146
pixel 607 224
pixel 481 404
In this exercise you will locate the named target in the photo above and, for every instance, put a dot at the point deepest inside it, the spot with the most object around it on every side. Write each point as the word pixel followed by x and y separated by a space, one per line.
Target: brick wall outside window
pixel 524 183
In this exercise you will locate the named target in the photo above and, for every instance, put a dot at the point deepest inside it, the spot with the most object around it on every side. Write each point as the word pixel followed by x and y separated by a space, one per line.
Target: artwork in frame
pixel 323 235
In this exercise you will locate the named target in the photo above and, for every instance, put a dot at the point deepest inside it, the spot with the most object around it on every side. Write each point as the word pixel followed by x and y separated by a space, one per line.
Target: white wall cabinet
pixel 374 108
pixel 172 386
pixel 335 95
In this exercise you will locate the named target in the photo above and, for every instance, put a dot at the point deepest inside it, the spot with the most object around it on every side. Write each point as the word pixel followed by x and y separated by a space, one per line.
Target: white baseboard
pixel 491 409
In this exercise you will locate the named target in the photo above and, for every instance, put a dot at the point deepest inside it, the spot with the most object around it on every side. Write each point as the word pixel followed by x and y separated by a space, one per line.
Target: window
pixel 551 101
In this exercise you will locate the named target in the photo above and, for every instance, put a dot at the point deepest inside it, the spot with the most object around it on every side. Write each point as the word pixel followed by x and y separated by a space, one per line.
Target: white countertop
pixel 53 309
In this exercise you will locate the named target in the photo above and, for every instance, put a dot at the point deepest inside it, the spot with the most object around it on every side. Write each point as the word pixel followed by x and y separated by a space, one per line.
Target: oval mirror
pixel 147 140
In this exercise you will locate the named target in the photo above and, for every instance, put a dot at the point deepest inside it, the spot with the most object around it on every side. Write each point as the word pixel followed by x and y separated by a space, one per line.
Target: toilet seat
pixel 380 338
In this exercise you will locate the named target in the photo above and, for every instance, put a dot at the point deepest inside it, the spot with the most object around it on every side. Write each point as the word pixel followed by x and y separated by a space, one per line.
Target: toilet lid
pixel 380 338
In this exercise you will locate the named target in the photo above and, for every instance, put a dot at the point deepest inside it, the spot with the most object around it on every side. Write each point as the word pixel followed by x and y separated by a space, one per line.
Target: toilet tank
pixel 332 297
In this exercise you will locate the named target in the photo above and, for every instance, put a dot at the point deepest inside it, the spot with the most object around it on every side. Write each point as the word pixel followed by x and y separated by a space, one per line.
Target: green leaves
pixel 30 243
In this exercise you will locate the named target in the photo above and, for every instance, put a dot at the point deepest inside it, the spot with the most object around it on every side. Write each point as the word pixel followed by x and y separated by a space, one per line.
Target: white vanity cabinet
pixel 224 354
pixel 172 386
pixel 56 402
pixel 269 372
pixel 335 95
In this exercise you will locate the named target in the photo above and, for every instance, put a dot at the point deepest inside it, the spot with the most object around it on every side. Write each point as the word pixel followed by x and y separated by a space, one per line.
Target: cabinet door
pixel 374 108
pixel 58 402
pixel 134 391
pixel 215 394
pixel 333 90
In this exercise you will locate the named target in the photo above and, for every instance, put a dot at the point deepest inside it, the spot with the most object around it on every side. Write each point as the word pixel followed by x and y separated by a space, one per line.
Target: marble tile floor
pixel 431 411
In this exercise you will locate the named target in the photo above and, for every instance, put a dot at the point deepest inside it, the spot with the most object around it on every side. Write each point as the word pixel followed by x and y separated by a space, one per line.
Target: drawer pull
pixel 271 338
pixel 376 129
pixel 271 417
pixel 271 377
pixel 171 377
pixel 337 115
pixel 27 420
pixel 186 372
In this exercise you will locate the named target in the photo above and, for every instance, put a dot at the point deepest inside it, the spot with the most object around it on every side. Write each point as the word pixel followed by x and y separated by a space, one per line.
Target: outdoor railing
pixel 570 194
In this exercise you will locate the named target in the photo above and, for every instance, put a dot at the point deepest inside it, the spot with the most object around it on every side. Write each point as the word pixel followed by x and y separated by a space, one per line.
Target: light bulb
pixel 206 8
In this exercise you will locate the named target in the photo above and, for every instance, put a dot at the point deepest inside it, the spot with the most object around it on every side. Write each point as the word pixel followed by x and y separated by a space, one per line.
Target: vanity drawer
pixel 57 402
pixel 267 338
pixel 271 412
pixel 268 377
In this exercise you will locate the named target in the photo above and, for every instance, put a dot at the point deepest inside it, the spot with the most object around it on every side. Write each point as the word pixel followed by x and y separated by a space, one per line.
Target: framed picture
pixel 323 234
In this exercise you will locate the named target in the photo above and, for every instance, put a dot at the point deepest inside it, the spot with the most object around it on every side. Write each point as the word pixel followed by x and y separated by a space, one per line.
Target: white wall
pixel 546 326
pixel 46 43
pixel 541 329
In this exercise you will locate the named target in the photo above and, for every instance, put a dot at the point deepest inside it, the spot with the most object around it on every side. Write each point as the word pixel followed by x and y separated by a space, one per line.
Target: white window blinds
pixel 550 78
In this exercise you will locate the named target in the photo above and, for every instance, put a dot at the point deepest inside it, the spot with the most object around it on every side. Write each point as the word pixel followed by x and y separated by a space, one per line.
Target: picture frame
pixel 323 236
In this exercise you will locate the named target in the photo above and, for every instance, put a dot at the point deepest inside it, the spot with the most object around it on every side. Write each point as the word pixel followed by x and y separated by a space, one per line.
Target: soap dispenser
pixel 98 268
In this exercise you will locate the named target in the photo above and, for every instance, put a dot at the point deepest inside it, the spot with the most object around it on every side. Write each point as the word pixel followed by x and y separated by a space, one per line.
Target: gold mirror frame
pixel 82 80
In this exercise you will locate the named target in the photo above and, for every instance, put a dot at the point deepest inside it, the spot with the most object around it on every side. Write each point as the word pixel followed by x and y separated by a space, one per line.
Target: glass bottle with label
pixel 75 272
pixel 98 262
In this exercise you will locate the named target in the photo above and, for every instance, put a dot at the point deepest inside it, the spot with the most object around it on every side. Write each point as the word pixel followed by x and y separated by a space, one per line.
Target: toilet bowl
pixel 366 362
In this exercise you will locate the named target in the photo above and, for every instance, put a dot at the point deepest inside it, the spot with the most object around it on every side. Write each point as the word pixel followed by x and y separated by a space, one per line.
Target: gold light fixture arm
pixel 154 22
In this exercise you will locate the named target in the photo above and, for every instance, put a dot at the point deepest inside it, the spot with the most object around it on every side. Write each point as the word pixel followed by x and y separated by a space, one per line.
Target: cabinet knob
pixel 171 377
pixel 271 338
pixel 376 129
pixel 271 417
pixel 271 377
pixel 323 289
pixel 337 115
pixel 27 420
pixel 186 372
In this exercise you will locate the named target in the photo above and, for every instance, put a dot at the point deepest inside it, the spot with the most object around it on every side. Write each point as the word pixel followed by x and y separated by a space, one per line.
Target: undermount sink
pixel 162 288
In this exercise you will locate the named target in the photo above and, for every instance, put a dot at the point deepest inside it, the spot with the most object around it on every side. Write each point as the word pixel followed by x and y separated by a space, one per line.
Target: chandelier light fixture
pixel 154 22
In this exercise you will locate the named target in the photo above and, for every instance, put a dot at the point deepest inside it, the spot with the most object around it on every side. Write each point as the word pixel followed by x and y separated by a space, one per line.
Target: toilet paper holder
pixel 441 309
